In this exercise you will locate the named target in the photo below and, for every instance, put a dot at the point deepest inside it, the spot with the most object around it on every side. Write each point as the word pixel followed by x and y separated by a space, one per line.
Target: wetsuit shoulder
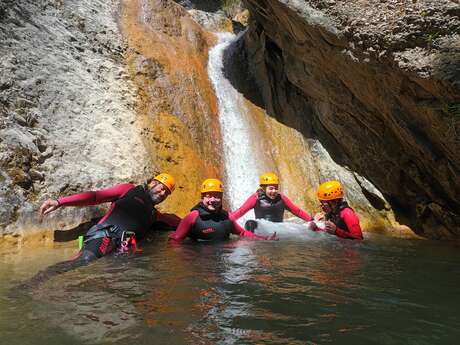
pixel 247 205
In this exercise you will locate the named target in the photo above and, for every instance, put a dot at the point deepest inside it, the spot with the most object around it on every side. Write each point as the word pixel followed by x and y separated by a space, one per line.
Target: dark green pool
pixel 303 289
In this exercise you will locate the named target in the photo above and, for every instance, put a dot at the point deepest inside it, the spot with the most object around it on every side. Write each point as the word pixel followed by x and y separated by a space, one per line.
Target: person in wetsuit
pixel 268 203
pixel 207 221
pixel 340 219
pixel 132 212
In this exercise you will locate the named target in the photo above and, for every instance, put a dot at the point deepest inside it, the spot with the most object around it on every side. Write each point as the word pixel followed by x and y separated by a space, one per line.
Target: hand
pixel 272 237
pixel 48 206
pixel 312 226
pixel 330 227
pixel 319 216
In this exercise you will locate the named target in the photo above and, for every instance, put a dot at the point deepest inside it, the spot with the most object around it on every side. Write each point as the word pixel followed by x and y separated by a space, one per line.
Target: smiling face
pixel 328 206
pixel 158 192
pixel 212 201
pixel 271 190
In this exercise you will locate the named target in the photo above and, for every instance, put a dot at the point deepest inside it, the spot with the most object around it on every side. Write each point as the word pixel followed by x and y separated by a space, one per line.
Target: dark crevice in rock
pixel 203 5
pixel 237 71
pixel 374 200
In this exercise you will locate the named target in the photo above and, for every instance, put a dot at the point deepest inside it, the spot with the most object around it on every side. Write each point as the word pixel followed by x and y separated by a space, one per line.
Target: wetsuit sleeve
pixel 248 204
pixel 351 219
pixel 238 230
pixel 96 197
pixel 184 226
pixel 170 219
pixel 295 210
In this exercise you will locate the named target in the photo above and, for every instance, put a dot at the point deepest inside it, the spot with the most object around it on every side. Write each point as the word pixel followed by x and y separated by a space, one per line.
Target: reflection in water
pixel 239 265
pixel 306 288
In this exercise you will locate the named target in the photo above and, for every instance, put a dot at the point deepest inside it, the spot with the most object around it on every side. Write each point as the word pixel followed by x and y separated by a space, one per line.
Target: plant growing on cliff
pixel 431 38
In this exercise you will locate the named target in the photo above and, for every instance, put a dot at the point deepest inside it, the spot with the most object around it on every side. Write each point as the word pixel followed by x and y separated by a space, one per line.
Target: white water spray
pixel 241 162
pixel 240 158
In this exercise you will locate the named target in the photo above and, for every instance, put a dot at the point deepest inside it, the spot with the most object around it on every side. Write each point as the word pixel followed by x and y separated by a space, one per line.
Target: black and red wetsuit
pixel 346 222
pixel 132 210
pixel 203 225
pixel 268 209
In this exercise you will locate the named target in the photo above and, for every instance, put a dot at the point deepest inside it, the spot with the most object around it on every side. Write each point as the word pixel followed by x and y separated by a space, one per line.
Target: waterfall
pixel 241 162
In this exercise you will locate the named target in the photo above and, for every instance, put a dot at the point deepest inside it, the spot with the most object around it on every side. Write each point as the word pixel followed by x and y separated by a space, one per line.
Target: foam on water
pixel 290 230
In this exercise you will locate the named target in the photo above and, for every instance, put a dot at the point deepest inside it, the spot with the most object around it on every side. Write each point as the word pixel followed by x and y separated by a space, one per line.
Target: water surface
pixel 307 288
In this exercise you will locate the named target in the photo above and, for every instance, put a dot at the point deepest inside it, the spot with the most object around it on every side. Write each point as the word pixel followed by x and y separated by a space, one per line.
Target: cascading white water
pixel 241 162
pixel 240 157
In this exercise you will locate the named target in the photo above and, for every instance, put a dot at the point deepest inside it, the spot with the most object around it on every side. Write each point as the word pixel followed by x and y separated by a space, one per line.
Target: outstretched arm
pixel 87 198
pixel 96 197
pixel 248 204
pixel 184 226
pixel 295 210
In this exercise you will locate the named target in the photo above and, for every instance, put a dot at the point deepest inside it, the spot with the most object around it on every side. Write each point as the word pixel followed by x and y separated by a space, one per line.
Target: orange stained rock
pixel 204 293
pixel 167 59
pixel 184 57
pixel 172 149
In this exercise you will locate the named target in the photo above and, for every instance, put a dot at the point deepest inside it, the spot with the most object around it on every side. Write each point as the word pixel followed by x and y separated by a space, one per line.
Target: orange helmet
pixel 268 178
pixel 167 180
pixel 330 190
pixel 212 185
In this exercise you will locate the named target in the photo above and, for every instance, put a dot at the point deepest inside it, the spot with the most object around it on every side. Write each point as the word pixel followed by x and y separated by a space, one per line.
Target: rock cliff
pixel 99 92
pixel 84 105
pixel 377 82
pixel 67 108
pixel 167 59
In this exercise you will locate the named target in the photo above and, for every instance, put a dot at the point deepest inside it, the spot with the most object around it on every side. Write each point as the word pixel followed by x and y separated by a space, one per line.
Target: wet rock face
pixel 67 119
pixel 167 59
pixel 378 84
